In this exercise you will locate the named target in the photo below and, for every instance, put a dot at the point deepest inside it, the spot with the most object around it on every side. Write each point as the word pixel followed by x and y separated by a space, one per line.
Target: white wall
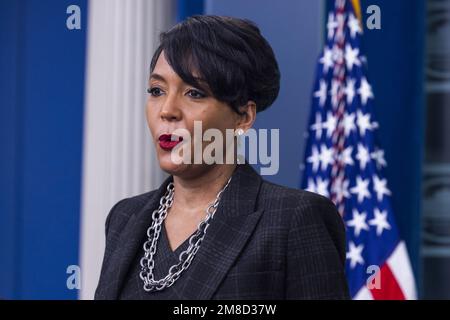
pixel 119 160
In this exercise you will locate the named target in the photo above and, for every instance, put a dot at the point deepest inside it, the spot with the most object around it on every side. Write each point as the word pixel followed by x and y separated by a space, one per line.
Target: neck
pixel 202 190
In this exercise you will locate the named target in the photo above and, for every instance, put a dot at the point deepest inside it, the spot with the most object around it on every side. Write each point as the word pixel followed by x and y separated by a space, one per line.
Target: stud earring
pixel 239 132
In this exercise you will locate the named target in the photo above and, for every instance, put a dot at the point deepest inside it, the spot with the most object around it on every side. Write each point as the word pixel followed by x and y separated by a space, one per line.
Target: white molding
pixel 118 158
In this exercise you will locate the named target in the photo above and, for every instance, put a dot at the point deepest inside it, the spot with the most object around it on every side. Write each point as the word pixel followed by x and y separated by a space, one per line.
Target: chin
pixel 167 165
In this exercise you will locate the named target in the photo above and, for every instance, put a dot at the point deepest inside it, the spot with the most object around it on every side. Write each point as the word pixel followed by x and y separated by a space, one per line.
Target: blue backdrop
pixel 41 90
pixel 396 68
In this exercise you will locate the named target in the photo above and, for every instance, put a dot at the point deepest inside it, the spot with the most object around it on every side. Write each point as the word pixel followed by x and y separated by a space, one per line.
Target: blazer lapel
pixel 131 241
pixel 229 230
pixel 226 236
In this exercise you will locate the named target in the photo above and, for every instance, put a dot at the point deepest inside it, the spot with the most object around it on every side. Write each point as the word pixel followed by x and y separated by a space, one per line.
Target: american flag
pixel 344 162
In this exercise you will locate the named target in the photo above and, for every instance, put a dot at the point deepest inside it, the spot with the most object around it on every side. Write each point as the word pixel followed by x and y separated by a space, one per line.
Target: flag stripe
pixel 363 294
pixel 389 289
pixel 401 268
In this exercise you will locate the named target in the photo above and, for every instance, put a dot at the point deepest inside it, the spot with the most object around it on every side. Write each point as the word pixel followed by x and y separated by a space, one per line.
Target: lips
pixel 169 141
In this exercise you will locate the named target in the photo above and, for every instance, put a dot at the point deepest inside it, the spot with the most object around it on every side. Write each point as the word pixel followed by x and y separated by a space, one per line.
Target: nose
pixel 170 110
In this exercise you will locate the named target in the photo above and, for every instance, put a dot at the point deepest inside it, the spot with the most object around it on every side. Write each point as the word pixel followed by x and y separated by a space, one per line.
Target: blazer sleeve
pixel 110 243
pixel 111 214
pixel 316 251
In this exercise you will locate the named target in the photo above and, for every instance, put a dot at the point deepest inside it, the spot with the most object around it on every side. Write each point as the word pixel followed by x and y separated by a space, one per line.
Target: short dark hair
pixel 227 57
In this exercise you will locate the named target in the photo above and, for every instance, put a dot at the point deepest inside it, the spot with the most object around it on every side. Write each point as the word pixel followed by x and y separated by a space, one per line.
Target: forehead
pixel 163 68
pixel 163 71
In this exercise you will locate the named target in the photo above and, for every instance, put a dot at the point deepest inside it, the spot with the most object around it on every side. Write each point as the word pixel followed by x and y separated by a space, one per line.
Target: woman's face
pixel 173 104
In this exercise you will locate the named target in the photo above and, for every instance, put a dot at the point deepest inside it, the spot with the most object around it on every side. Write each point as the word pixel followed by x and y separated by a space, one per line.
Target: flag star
pixel 334 93
pixel 350 90
pixel 346 156
pixel 326 156
pixel 358 222
pixel 322 92
pixel 314 158
pixel 354 25
pixel 349 123
pixel 363 122
pixel 361 189
pixel 331 25
pixel 340 19
pixel 311 186
pixel 351 57
pixel 365 91
pixel 363 156
pixel 355 254
pixel 380 221
pixel 317 126
pixel 322 187
pixel 379 185
pixel 378 156
pixel 327 59
pixel 330 124
pixel 338 54
pixel 340 189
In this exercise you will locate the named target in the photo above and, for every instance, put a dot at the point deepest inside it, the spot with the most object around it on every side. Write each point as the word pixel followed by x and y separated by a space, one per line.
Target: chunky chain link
pixel 147 261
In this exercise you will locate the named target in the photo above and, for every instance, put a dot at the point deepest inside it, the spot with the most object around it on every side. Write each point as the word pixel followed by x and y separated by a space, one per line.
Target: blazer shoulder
pixel 309 215
pixel 272 192
pixel 304 207
pixel 121 212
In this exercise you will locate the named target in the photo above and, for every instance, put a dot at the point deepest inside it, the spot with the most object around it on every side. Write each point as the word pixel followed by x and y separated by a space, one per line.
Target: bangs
pixel 180 55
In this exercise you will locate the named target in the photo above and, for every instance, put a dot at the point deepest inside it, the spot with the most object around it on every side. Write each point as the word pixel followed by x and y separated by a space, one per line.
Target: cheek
pixel 221 120
pixel 215 115
pixel 151 116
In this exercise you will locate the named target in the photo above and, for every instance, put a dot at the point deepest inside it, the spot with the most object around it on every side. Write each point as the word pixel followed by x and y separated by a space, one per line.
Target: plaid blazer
pixel 265 241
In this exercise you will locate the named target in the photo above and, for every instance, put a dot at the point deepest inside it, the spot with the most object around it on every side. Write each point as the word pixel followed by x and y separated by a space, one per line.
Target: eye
pixel 154 91
pixel 196 94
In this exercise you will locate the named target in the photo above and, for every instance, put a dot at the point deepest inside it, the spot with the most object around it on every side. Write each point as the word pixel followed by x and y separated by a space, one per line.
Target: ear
pixel 247 117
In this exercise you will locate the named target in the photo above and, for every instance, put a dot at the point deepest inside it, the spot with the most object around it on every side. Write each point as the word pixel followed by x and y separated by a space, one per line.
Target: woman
pixel 218 231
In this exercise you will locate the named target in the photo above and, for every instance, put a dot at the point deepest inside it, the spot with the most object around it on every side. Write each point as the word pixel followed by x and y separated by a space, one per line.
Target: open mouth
pixel 169 141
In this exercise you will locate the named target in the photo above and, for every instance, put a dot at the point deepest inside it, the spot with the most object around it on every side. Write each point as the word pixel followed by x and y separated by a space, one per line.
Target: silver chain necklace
pixel 147 262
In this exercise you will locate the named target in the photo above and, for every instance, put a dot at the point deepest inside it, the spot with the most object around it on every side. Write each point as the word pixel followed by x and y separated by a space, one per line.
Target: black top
pixel 164 258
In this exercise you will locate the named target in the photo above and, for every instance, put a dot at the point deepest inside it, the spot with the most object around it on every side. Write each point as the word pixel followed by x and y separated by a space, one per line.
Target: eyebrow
pixel 157 76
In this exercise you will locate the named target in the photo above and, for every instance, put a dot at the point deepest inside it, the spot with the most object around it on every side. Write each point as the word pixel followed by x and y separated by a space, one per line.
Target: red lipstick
pixel 169 141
